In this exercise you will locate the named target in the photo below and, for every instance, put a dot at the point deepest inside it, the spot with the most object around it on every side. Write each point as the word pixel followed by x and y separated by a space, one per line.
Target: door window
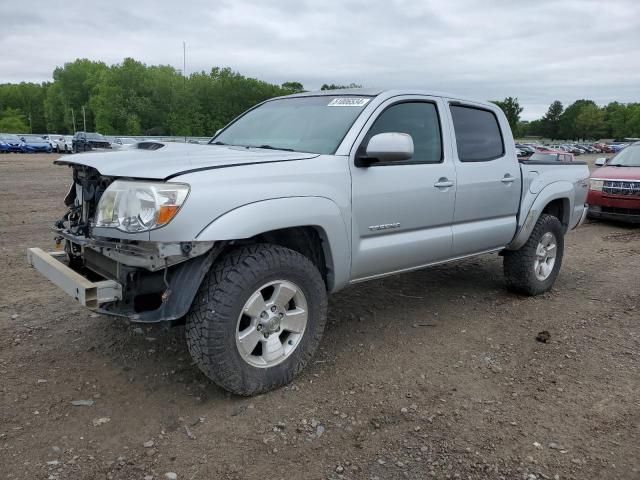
pixel 478 135
pixel 418 119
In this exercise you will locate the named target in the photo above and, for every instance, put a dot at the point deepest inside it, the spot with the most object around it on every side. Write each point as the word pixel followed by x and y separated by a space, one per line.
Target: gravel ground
pixel 432 374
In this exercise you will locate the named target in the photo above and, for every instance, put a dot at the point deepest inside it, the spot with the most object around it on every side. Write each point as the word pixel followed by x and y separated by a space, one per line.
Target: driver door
pixel 402 211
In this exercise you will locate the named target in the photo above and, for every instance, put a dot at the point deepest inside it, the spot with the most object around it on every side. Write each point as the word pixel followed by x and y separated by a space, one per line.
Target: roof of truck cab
pixel 374 92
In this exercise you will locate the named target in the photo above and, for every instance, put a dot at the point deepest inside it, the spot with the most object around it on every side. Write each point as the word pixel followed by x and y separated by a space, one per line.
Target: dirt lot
pixel 433 374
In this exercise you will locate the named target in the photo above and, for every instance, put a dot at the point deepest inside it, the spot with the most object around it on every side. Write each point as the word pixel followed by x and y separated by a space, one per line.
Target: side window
pixel 418 119
pixel 478 135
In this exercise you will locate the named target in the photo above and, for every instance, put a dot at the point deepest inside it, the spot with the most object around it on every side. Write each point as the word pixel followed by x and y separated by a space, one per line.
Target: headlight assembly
pixel 132 206
pixel 596 185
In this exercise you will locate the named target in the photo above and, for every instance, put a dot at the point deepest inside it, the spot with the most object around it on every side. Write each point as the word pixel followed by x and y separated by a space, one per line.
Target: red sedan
pixel 614 189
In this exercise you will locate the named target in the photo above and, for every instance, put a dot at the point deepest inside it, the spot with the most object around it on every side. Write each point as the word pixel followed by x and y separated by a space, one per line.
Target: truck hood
pixel 156 160
pixel 617 173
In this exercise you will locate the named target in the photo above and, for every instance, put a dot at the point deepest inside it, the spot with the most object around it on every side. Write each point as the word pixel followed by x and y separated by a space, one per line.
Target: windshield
pixel 10 138
pixel 94 136
pixel 629 157
pixel 304 124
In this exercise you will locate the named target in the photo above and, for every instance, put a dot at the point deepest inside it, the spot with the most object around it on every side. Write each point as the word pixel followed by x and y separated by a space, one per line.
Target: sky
pixel 536 50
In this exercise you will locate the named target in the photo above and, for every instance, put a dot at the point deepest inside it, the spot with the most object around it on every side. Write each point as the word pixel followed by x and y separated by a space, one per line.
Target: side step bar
pixel 88 293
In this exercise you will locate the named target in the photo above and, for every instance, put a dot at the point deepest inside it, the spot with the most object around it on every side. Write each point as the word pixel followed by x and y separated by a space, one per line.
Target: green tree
pixel 568 128
pixel 512 110
pixel 550 122
pixel 28 100
pixel 333 86
pixel 73 86
pixel 590 122
pixel 619 120
pixel 634 120
pixel 12 121
pixel 293 87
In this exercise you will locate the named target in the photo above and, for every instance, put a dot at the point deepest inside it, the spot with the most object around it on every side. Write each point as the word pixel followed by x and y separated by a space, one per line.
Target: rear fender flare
pixel 558 190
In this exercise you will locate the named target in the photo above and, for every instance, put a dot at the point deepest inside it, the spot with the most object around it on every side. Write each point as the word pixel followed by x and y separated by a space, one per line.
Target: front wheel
pixel 533 269
pixel 257 319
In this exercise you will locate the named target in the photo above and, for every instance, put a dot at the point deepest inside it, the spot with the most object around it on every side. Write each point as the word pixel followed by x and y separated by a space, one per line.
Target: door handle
pixel 508 179
pixel 443 183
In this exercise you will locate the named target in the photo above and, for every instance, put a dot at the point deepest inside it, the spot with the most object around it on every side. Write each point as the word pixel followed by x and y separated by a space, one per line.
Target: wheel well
pixel 559 208
pixel 307 240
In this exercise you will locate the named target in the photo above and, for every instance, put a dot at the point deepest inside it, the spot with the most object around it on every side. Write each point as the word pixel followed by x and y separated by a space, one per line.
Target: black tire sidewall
pixel 313 307
pixel 519 265
pixel 553 226
pixel 221 361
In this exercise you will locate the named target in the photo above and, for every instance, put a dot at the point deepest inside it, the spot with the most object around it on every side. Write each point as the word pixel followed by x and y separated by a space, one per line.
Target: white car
pixel 123 143
pixel 61 143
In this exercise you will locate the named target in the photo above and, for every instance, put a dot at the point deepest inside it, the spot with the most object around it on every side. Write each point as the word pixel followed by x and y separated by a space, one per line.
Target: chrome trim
pixel 583 217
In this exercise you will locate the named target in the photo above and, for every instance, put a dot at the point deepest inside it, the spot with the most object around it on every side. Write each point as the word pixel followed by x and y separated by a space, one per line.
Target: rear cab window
pixel 478 134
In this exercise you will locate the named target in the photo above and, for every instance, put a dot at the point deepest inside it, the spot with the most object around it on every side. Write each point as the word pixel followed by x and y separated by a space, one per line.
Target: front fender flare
pixel 322 213
pixel 562 190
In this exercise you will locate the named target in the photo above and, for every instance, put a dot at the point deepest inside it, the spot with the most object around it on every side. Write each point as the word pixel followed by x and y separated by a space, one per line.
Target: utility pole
pixel 73 117
pixel 84 118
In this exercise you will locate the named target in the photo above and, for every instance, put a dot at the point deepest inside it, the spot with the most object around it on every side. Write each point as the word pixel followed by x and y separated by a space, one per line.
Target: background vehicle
pixel 61 143
pixel 297 198
pixel 614 189
pixel 527 149
pixel 123 142
pixel 12 143
pixel 616 147
pixel 558 156
pixel 4 144
pixel 34 144
pixel 85 141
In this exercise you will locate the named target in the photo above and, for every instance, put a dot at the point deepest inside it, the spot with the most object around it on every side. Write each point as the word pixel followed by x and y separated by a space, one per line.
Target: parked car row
pixel 25 144
pixel 79 142
pixel 525 150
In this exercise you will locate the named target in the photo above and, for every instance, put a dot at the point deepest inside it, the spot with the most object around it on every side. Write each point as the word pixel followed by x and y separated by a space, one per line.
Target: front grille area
pixel 621 211
pixel 618 187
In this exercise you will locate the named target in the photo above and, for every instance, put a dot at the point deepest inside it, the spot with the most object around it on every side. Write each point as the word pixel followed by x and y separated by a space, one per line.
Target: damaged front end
pixel 157 281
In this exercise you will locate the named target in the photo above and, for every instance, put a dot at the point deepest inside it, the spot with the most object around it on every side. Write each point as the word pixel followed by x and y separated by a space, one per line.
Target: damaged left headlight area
pixel 105 235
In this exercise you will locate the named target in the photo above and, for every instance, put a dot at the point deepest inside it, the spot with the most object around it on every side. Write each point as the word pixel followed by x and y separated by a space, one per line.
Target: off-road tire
pixel 213 318
pixel 519 264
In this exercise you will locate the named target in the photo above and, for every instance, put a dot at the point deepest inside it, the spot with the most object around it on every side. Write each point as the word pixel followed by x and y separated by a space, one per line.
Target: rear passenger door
pixel 488 180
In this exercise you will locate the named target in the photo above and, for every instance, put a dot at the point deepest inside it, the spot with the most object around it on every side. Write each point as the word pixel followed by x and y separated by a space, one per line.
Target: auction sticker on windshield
pixel 348 102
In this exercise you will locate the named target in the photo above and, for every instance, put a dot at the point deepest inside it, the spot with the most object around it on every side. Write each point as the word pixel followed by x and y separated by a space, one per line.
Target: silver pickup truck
pixel 299 197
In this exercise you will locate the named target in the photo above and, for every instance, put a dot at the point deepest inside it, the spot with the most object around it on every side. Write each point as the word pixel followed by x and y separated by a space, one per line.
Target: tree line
pixel 581 120
pixel 132 98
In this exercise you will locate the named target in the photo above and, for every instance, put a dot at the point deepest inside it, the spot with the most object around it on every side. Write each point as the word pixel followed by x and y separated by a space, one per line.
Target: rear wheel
pixel 257 319
pixel 533 269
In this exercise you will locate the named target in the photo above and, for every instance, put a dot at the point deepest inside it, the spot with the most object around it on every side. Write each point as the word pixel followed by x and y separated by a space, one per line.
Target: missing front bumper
pixel 87 293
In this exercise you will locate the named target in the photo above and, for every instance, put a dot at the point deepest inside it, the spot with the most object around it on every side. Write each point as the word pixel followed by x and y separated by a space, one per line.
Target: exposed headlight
pixel 596 185
pixel 140 206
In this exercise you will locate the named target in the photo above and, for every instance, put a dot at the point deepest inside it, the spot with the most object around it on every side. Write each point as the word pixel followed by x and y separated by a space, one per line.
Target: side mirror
pixel 601 162
pixel 386 147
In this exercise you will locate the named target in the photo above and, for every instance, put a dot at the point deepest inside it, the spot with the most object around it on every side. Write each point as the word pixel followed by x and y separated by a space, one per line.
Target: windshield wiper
pixel 269 147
